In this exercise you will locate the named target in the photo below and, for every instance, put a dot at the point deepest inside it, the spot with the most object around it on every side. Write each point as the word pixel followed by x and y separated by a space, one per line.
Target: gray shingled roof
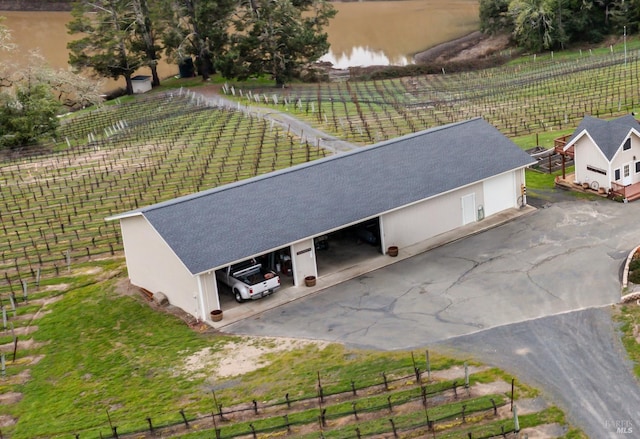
pixel 608 135
pixel 210 229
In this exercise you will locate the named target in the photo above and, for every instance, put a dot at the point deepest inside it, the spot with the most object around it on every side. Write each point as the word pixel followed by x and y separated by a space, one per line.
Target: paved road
pixel 564 258
pixel 576 357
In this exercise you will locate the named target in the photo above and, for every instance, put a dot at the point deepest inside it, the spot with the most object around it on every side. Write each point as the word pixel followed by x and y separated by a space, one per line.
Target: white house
pixel 413 187
pixel 606 153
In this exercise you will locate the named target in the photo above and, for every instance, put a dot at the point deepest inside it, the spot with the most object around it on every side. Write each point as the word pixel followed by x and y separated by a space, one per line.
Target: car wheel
pixel 238 296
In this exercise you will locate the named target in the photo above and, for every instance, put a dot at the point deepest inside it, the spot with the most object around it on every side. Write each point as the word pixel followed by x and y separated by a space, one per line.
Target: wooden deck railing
pixel 618 189
pixel 560 142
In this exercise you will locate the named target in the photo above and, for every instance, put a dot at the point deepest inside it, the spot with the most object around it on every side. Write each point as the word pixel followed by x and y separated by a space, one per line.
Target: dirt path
pixel 289 123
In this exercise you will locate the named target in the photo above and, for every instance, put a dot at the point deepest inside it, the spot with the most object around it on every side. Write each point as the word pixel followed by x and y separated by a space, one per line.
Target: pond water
pixel 361 34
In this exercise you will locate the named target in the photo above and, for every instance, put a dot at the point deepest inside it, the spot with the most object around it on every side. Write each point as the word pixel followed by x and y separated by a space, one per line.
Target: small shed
pixel 141 84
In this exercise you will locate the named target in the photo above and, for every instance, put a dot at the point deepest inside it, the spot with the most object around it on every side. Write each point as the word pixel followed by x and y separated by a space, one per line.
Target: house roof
pixel 213 228
pixel 609 135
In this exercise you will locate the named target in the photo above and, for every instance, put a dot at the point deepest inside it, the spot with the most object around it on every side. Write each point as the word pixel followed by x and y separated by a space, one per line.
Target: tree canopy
pixel 32 95
pixel 276 38
pixel 551 24
pixel 106 45
pixel 251 38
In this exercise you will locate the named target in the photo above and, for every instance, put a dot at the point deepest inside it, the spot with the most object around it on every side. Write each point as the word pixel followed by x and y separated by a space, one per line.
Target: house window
pixel 637 167
pixel 617 174
pixel 598 170
pixel 627 145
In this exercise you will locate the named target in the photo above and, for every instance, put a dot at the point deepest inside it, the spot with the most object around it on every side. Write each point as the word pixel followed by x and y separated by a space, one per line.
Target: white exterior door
pixel 626 174
pixel 499 193
pixel 468 209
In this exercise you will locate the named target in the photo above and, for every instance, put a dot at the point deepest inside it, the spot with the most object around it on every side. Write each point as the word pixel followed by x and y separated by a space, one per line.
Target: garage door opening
pixel 348 247
pixel 269 265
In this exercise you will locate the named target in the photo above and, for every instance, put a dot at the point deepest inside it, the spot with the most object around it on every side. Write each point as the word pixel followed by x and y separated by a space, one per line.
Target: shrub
pixel 634 276
pixel 634 264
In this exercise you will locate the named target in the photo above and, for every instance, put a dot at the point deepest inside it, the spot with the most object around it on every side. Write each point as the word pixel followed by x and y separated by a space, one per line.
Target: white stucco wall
pixel 426 219
pixel 303 257
pixel 208 300
pixel 153 266
pixel 586 153
pixel 500 193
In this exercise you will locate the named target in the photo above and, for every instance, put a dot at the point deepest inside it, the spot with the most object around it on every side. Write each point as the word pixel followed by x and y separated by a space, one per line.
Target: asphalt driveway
pixel 490 296
pixel 562 258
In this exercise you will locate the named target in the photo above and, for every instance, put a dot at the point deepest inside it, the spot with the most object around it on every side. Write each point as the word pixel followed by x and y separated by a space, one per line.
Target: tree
pixel 27 115
pixel 494 16
pixel 145 39
pixel 533 23
pixel 31 96
pixel 197 28
pixel 621 14
pixel 6 45
pixel 28 108
pixel 276 37
pixel 108 28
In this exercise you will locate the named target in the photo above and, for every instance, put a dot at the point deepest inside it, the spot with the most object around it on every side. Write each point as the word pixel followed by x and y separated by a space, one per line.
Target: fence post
pixel 495 408
pixel 355 412
pixel 286 422
pixel 150 424
pixel 219 406
pixel 416 369
pixel 512 389
pixel 455 389
pixel 353 387
pixel 389 403
pixel 253 431
pixel 464 408
pixel 255 406
pixel 466 377
pixel 184 418
pixel 393 427
pixel 288 401
pixel 320 393
pixel 384 377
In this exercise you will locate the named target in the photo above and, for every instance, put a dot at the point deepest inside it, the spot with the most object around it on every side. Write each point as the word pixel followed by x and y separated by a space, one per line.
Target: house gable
pixel 607 136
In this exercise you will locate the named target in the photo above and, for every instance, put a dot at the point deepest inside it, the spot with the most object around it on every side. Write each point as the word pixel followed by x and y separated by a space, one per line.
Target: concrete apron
pixel 287 294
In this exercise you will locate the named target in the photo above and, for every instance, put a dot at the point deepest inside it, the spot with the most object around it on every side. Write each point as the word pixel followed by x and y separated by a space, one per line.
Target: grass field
pixel 91 357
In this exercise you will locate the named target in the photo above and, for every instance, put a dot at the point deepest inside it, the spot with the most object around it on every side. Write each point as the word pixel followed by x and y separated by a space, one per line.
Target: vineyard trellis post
pixel 184 418
pixel 428 366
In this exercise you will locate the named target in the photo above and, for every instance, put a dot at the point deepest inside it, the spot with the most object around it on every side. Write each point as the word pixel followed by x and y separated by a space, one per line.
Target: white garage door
pixel 499 193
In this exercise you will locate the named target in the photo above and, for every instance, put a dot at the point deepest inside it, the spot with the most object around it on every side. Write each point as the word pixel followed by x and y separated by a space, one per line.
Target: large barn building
pixel 398 193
